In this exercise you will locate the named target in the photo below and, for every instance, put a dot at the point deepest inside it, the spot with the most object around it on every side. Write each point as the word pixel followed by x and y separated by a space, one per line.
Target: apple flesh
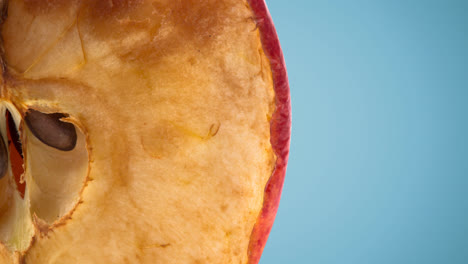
pixel 182 115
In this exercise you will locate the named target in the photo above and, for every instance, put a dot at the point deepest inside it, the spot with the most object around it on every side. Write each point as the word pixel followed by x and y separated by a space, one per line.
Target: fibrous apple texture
pixel 137 131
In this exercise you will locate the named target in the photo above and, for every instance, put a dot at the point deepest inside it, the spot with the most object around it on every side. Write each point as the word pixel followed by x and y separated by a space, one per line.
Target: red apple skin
pixel 280 129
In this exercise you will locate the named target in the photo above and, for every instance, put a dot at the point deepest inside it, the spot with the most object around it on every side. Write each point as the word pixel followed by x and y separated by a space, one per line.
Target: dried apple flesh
pixel 171 101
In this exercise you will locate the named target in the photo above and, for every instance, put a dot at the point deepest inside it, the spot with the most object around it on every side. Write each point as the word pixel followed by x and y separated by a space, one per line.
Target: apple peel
pixel 280 129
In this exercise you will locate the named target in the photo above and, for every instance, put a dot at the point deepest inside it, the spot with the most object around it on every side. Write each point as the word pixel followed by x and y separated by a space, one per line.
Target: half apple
pixel 145 131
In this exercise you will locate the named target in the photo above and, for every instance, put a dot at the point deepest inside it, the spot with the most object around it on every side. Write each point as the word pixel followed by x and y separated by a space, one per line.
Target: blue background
pixel 378 170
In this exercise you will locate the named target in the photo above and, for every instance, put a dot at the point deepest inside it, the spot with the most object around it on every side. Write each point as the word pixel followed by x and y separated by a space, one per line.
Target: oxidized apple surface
pixel 140 131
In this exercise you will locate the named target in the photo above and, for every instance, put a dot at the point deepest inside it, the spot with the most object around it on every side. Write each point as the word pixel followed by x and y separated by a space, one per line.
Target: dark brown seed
pixel 15 138
pixel 3 158
pixel 50 130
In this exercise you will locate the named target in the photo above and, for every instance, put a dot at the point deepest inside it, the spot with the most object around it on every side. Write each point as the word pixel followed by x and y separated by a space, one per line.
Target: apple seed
pixel 50 130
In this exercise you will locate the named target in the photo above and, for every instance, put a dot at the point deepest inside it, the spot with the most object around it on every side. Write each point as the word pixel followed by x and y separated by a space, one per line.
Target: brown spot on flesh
pixel 106 8
pixel 168 26
pixel 42 228
pixel 38 7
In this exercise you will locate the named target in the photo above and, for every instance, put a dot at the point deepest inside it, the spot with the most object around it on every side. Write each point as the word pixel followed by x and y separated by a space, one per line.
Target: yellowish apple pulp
pixel 173 99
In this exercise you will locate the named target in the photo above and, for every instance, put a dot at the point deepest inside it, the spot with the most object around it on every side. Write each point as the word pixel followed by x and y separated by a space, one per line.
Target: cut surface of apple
pixel 140 131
